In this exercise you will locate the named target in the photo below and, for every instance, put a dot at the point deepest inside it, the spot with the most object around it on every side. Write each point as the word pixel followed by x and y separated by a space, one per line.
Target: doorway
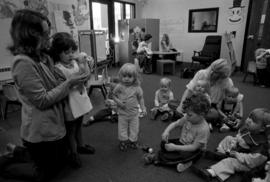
pixel 257 30
pixel 100 26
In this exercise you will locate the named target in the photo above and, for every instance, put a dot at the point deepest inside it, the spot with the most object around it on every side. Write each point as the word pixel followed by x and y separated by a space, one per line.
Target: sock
pixel 212 172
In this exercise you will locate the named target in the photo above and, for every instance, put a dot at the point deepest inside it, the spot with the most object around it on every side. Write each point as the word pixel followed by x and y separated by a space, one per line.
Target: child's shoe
pixel 224 128
pixel 183 166
pixel 165 117
pixel 133 145
pixel 153 114
pixel 123 146
pixel 88 122
pixel 149 158
pixel 75 161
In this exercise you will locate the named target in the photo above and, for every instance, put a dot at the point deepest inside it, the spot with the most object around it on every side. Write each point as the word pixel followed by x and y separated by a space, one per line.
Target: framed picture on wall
pixel 203 20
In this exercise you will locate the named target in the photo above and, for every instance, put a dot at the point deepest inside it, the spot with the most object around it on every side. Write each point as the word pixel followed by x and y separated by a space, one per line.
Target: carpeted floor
pixel 111 165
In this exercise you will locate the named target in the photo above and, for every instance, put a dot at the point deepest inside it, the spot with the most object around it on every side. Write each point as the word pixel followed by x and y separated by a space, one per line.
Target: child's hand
pixel 144 112
pixel 170 147
pixel 165 136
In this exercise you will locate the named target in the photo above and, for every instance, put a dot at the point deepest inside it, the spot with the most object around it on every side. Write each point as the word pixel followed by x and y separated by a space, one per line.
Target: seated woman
pixel 165 43
pixel 218 75
pixel 144 52
pixel 166 46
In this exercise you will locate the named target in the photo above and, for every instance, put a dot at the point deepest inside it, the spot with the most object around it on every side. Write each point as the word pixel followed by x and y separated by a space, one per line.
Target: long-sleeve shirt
pixel 40 94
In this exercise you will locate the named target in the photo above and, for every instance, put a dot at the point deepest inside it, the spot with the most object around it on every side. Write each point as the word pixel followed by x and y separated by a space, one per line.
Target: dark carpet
pixel 111 165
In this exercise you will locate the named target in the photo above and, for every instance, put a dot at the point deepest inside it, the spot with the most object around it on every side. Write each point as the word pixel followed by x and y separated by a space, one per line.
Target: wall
pixel 173 16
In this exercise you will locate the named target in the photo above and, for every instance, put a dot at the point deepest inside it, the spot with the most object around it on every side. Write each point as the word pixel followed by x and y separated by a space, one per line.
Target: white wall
pixel 173 15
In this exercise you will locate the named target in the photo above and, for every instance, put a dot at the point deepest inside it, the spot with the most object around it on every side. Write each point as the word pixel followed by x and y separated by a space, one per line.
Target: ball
pixel 150 150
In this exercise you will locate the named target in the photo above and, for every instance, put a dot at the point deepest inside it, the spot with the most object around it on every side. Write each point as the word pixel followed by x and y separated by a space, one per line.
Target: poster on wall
pixel 78 9
pixel 81 14
pixel 9 7
pixel 236 13
pixel 64 22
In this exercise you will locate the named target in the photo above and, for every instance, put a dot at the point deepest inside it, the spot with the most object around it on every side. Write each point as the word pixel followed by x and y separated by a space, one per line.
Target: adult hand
pixel 165 136
pixel 78 78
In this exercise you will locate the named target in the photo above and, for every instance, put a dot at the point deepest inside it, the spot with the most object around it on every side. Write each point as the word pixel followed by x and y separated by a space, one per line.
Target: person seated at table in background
pixel 166 46
pixel 144 53
pixel 263 74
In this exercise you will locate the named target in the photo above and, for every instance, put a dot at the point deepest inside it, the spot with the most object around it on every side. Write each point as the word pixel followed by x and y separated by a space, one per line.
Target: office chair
pixel 10 96
pixel 210 51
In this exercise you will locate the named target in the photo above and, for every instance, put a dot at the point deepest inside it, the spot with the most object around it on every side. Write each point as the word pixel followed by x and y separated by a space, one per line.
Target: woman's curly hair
pixel 198 103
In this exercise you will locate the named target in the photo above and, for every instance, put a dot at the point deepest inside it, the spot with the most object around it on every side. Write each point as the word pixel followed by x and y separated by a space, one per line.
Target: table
pixel 163 55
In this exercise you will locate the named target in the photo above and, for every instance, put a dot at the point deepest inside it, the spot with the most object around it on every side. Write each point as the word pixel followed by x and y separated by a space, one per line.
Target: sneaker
pixel 133 145
pixel 75 161
pixel 149 158
pixel 183 166
pixel 88 122
pixel 154 113
pixel 224 128
pixel 203 173
pixel 165 117
pixel 123 146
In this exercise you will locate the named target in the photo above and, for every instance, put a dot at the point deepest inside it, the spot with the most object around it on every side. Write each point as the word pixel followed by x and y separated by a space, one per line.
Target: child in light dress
pixel 128 94
pixel 78 103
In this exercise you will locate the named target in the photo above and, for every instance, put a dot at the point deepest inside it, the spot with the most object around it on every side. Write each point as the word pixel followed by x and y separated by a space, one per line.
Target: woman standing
pixel 42 129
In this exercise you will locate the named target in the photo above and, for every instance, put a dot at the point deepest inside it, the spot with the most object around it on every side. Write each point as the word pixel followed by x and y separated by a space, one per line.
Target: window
pixel 122 11
pixel 129 11
pixel 118 15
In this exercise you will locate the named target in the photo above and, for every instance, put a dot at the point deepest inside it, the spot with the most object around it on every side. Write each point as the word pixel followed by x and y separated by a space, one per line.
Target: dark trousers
pixel 172 158
pixel 36 161
pixel 145 63
pixel 262 76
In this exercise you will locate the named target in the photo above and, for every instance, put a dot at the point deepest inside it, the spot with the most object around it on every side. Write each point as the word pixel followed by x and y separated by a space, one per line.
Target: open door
pixel 257 31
